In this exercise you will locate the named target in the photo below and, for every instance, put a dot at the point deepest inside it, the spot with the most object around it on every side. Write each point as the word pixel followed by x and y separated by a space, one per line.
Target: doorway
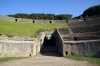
pixel 50 22
pixel 33 21
pixel 15 20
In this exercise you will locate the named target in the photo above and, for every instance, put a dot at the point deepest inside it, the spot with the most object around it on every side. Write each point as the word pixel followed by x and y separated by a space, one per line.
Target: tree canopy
pixel 43 16
pixel 91 11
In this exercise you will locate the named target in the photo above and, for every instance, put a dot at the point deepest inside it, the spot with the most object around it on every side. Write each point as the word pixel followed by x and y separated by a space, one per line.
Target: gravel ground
pixel 46 59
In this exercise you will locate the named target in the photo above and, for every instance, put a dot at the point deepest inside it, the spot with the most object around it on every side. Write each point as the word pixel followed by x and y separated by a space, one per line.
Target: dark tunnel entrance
pixel 15 20
pixel 49 46
pixel 49 41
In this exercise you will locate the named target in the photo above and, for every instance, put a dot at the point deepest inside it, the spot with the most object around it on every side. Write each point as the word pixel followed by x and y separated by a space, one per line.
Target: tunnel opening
pixel 66 21
pixel 50 22
pixel 33 21
pixel 49 47
pixel 49 41
pixel 15 20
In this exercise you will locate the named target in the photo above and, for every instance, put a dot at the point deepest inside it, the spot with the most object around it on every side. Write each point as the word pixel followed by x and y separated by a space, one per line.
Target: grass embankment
pixel 89 59
pixel 24 29
pixel 11 58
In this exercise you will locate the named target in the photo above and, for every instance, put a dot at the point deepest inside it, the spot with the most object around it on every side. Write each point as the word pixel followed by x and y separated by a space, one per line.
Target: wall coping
pixel 16 41
pixel 83 41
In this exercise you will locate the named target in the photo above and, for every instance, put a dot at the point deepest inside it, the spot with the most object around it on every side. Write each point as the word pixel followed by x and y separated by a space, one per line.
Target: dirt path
pixel 46 59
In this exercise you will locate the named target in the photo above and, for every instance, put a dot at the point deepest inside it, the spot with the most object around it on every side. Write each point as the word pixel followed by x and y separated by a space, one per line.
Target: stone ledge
pixel 3 41
pixel 66 42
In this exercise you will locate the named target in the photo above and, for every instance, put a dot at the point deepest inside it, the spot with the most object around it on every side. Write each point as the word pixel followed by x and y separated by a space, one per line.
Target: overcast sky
pixel 74 7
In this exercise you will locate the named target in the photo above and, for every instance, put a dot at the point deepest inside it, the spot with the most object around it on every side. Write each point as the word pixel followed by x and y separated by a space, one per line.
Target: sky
pixel 74 7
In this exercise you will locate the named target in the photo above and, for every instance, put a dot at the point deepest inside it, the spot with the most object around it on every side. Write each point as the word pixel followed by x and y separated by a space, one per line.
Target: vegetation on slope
pixel 91 11
pixel 10 58
pixel 28 29
pixel 89 59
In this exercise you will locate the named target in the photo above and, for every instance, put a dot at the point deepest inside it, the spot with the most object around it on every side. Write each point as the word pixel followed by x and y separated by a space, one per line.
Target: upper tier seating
pixel 83 29
pixel 93 21
pixel 78 23
pixel 63 30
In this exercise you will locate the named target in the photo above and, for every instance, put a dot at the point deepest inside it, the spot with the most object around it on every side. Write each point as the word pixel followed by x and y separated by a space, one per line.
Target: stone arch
pixel 15 20
pixel 50 22
pixel 66 21
pixel 84 19
pixel 33 21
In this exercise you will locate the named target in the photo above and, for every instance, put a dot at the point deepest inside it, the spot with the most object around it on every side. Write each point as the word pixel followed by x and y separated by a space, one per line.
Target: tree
pixel 40 16
pixel 94 10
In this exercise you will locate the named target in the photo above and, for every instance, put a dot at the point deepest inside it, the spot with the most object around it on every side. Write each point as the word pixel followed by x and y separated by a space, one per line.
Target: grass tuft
pixel 10 58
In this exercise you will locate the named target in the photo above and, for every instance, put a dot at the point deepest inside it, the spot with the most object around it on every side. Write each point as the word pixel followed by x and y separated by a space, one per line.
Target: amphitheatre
pixel 80 37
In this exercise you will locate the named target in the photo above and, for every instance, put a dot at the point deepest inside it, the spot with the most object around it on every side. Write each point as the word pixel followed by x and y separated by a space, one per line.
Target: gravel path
pixel 46 59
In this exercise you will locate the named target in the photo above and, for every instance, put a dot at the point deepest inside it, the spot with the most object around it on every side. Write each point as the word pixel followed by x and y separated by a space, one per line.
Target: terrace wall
pixel 83 48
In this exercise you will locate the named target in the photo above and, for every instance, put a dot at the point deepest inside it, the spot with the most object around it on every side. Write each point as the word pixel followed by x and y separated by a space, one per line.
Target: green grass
pixel 24 29
pixel 10 58
pixel 89 59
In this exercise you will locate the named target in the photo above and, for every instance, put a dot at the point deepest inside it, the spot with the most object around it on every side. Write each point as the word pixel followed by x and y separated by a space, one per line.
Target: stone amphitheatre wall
pixel 31 21
pixel 80 47
pixel 17 46
pixel 59 42
pixel 21 46
pixel 83 48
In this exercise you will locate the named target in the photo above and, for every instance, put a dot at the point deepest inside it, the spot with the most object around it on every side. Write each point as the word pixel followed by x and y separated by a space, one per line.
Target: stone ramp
pixel 50 58
pixel 47 57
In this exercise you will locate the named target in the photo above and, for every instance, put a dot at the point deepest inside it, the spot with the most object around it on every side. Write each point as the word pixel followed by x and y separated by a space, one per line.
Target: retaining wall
pixel 83 48
pixel 17 48
pixel 59 42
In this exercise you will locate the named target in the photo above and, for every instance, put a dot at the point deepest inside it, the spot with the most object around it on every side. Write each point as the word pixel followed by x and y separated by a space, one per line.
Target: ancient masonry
pixel 81 38
pixel 32 21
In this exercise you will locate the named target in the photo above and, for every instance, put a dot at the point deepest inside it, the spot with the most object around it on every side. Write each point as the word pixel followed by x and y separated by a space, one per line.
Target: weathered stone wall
pixel 32 21
pixel 83 48
pixel 17 48
pixel 59 41
pixel 40 39
pixel 16 38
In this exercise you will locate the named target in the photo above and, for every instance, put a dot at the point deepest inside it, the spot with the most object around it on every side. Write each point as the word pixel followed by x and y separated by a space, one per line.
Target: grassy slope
pixel 17 28
pixel 89 59
pixel 11 58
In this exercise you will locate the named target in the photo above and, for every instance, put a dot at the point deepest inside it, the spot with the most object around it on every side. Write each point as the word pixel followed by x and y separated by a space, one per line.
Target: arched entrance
pixel 50 22
pixel 15 20
pixel 33 21
pixel 49 41
pixel 49 46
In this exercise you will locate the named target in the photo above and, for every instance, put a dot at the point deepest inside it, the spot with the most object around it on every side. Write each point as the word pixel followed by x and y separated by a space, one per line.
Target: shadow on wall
pixel 97 55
